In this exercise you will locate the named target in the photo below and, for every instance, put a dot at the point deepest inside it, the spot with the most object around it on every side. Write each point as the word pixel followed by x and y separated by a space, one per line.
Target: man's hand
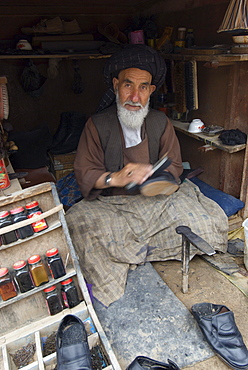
pixel 132 172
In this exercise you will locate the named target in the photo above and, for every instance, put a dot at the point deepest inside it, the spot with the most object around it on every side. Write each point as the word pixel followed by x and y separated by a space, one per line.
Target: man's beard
pixel 132 119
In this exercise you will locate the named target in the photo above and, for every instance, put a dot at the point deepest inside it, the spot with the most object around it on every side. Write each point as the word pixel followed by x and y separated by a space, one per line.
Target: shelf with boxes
pixel 26 319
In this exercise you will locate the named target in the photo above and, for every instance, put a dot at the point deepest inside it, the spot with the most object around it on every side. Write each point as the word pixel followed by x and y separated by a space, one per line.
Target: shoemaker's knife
pixel 158 167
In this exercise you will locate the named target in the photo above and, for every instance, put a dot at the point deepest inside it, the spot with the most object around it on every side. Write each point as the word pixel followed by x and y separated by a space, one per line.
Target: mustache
pixel 132 103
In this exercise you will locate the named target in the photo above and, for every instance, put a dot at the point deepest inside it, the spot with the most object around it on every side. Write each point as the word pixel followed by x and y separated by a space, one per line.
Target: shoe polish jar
pixel 33 209
pixel 69 293
pixel 6 220
pixel 23 276
pixel 55 263
pixel 18 214
pixel 7 286
pixel 38 270
pixel 53 300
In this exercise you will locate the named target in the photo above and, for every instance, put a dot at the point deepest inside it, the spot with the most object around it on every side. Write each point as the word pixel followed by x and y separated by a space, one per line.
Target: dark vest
pixel 108 127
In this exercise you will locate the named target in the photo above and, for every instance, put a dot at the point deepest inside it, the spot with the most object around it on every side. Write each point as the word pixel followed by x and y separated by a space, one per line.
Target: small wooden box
pixel 63 164
pixel 24 319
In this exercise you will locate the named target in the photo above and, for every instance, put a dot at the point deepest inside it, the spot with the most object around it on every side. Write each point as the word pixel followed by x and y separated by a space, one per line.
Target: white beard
pixel 132 119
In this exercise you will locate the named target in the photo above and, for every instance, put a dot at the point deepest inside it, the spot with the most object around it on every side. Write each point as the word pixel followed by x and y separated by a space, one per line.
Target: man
pixel 119 145
pixel 117 229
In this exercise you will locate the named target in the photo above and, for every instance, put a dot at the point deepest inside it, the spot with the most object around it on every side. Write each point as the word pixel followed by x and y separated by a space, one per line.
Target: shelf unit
pixel 235 116
pixel 25 319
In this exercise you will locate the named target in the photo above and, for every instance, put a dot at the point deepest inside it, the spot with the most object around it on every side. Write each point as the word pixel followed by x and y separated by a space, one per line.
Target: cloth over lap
pixel 112 233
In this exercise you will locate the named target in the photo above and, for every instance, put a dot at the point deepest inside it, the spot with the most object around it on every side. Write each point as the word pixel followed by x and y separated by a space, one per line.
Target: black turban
pixel 132 56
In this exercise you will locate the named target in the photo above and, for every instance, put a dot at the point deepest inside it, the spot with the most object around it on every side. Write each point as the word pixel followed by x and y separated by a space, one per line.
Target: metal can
pixel 4 177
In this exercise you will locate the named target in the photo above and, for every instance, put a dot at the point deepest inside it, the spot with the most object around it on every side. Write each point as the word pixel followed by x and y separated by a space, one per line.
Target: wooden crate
pixel 24 319
pixel 63 164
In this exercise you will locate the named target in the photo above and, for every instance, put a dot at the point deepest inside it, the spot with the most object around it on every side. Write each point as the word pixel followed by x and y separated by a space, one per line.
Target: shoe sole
pixel 158 187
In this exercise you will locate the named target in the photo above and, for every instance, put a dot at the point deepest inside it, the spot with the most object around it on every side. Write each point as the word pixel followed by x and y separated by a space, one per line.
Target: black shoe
pixel 142 362
pixel 72 347
pixel 219 328
pixel 164 183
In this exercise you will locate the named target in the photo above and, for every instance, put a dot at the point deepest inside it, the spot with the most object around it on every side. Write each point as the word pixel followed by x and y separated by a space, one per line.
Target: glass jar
pixel 53 300
pixel 7 286
pixel 38 270
pixel 23 276
pixel 55 263
pixel 69 293
pixel 33 209
pixel 6 220
pixel 18 214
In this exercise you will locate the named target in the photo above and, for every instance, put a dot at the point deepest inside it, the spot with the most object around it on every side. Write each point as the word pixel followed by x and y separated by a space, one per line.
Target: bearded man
pixel 119 145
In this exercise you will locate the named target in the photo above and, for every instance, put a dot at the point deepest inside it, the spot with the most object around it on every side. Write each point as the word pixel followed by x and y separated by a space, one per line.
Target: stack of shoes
pixel 146 363
pixel 221 332
pixel 72 347
pixel 164 183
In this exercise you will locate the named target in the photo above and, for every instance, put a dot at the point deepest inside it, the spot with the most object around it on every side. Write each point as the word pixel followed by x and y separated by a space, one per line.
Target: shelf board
pixel 56 55
pixel 210 140
pixel 221 58
pixel 54 225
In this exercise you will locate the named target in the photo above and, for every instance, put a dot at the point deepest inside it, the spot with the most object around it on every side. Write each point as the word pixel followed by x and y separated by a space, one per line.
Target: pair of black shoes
pixel 73 351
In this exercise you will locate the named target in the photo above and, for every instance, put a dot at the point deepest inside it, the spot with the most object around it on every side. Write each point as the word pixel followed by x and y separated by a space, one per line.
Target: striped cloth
pixel 111 234
pixel 132 56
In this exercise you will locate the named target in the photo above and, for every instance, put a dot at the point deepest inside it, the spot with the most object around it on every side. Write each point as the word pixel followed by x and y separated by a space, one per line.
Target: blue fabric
pixel 228 203
pixel 68 190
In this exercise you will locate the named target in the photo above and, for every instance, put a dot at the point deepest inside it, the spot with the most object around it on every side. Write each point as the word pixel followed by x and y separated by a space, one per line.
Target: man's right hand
pixel 132 172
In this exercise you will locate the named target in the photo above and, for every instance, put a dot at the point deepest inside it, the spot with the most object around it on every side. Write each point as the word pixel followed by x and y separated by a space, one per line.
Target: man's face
pixel 134 88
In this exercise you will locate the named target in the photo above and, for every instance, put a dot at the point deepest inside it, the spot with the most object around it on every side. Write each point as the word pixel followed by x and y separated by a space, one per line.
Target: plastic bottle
pixel 7 286
pixel 69 293
pixel 190 39
pixel 18 214
pixel 34 209
pixel 53 300
pixel 38 270
pixel 23 276
pixel 55 263
pixel 6 220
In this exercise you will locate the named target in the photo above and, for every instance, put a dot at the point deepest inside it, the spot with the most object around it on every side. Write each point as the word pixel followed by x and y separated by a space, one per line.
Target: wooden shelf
pixel 210 140
pixel 221 58
pixel 56 55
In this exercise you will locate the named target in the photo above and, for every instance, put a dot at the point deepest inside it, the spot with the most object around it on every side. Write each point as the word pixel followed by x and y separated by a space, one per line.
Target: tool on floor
pixel 188 237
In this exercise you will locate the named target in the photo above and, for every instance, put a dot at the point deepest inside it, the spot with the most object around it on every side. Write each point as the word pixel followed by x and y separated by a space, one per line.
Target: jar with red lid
pixel 23 276
pixel 18 214
pixel 7 286
pixel 33 209
pixel 53 300
pixel 6 220
pixel 69 293
pixel 38 270
pixel 55 263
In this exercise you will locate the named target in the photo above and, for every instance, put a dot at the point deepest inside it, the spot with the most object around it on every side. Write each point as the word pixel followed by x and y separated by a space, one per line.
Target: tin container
pixel 4 177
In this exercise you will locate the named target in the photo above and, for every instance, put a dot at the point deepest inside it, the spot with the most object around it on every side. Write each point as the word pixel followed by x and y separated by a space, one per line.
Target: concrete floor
pixel 206 284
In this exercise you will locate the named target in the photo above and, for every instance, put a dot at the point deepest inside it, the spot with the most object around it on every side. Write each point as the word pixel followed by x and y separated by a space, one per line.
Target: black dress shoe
pixel 219 328
pixel 146 363
pixel 72 347
pixel 164 183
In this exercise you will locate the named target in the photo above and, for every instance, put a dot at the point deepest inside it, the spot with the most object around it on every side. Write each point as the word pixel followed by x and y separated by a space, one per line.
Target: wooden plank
pixel 211 140
pixel 29 192
pixel 29 221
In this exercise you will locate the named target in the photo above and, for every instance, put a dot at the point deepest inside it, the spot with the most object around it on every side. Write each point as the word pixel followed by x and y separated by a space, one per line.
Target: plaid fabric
pixel 132 56
pixel 68 189
pixel 112 233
